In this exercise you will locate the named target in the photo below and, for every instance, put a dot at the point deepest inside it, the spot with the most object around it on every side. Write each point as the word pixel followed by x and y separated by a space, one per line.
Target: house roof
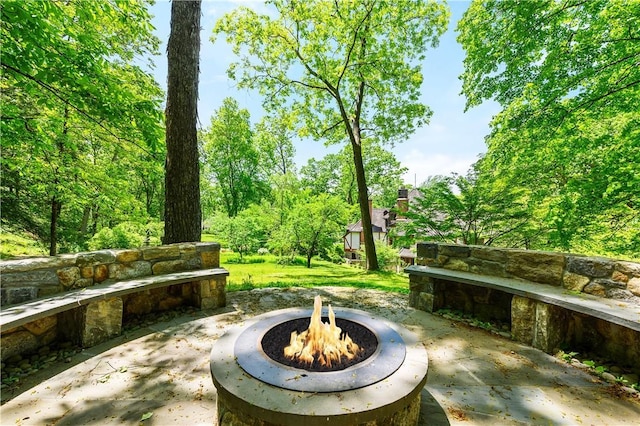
pixel 406 253
pixel 378 222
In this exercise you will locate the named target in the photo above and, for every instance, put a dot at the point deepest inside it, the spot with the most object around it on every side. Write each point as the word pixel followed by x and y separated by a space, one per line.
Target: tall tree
pixel 273 138
pixel 273 142
pixel 345 70
pixel 468 209
pixel 183 217
pixel 232 159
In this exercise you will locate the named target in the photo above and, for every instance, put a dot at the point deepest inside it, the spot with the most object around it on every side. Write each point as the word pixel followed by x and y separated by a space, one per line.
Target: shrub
pixel 126 235
pixel 387 256
pixel 333 254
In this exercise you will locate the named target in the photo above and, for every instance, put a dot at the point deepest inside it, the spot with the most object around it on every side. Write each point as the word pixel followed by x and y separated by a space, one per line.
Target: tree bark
pixel 56 207
pixel 182 169
pixel 363 201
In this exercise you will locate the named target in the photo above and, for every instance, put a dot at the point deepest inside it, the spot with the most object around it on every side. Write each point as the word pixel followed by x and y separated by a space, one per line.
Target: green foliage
pixel 333 253
pixel 387 256
pixel 313 57
pixel 245 259
pixel 80 54
pixel 337 68
pixel 273 143
pixel 244 233
pixel 232 160
pixel 568 356
pixel 81 125
pixel 468 209
pixel 568 133
pixel 315 224
pixel 335 174
pixel 126 235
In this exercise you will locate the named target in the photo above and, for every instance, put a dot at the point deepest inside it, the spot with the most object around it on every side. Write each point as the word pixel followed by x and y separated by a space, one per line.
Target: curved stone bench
pixel 94 299
pixel 85 297
pixel 543 316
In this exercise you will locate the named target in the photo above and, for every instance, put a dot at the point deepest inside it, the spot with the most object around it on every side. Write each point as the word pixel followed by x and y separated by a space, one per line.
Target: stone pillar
pixel 102 321
pixel 209 294
pixel 551 327
pixel 538 324
pixel 424 294
pixel 523 313
pixel 94 323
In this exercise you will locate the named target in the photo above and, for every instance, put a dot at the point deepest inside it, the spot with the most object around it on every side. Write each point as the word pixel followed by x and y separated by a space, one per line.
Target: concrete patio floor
pixel 475 377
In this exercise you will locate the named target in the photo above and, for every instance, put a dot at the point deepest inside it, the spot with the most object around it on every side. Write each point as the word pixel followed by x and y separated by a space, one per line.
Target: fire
pixel 321 341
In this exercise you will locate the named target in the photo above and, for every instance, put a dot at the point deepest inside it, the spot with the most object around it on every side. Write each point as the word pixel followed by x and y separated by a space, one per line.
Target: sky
pixel 451 142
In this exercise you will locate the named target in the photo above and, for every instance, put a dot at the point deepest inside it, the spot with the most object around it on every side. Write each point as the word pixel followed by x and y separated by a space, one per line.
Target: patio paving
pixel 475 377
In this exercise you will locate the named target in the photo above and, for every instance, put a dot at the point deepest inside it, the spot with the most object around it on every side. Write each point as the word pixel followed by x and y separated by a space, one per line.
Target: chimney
pixel 370 208
pixel 403 202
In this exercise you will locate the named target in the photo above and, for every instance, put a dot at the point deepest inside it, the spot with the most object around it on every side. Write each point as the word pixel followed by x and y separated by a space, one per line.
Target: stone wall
pixel 598 276
pixel 24 279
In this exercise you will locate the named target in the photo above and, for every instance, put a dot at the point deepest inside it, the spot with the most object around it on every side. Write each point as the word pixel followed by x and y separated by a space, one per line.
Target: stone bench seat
pixel 104 298
pixel 611 310
pixel 543 316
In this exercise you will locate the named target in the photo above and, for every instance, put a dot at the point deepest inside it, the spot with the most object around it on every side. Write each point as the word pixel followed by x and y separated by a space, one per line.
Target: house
pixel 382 220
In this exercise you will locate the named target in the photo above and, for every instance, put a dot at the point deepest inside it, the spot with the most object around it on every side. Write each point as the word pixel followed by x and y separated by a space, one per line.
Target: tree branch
pixel 55 92
pixel 353 43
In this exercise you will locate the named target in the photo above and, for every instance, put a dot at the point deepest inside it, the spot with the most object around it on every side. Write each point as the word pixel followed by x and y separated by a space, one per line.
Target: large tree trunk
pixel 56 207
pixel 363 200
pixel 182 169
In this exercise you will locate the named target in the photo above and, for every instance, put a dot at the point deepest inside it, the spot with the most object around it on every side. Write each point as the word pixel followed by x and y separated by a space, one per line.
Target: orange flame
pixel 321 340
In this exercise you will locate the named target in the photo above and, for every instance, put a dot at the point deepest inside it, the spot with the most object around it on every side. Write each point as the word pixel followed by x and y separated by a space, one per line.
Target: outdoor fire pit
pixel 309 367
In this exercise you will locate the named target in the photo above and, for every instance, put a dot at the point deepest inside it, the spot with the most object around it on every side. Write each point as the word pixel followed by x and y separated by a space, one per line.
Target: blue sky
pixel 451 142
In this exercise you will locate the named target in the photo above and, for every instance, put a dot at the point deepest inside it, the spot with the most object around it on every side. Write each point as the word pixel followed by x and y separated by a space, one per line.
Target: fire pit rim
pixel 387 358
pixel 242 393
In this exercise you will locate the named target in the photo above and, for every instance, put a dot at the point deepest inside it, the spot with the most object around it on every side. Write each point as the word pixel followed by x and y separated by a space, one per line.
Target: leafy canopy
pixel 568 77
pixel 317 57
pixel 546 60
pixel 81 54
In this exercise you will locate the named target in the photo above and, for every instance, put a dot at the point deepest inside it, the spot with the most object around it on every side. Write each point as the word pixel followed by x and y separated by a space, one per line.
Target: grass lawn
pixel 20 244
pixel 263 271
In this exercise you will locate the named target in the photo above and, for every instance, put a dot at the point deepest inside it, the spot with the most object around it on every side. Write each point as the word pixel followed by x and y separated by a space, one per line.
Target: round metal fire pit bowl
pixel 248 401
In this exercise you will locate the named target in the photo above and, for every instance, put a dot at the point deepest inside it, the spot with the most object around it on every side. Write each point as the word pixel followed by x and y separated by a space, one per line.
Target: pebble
pixel 577 363
pixel 609 377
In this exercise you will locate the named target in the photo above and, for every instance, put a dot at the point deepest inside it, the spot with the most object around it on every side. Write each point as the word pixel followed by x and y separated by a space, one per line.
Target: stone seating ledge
pixel 543 316
pixel 23 313
pixel 84 298
pixel 612 310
